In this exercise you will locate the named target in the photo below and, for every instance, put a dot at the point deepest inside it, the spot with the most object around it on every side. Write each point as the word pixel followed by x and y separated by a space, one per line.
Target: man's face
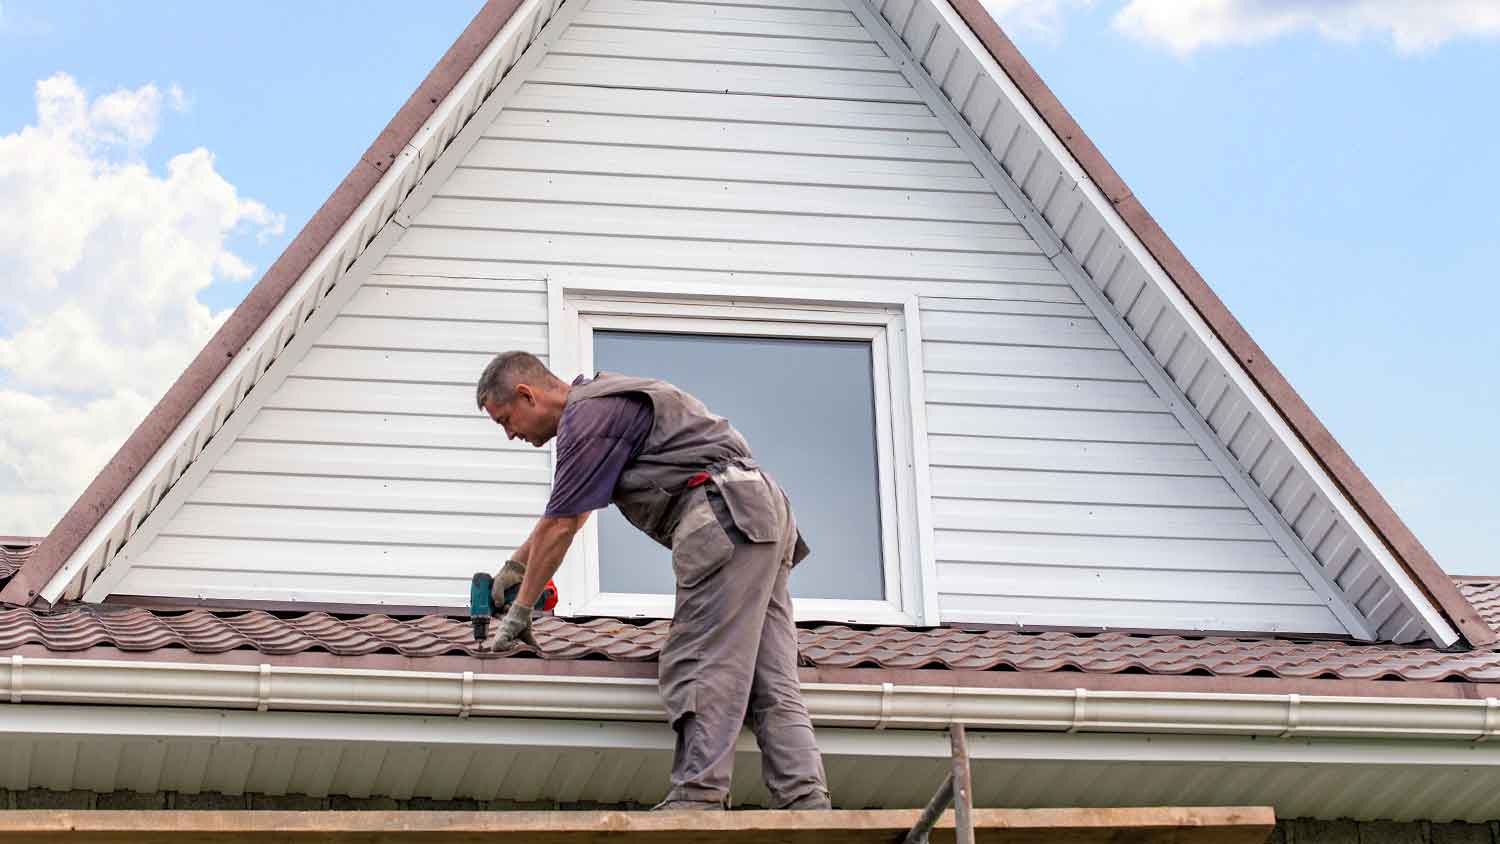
pixel 524 417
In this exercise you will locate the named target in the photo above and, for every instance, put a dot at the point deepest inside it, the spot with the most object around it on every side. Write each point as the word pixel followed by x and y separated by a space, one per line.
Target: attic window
pixel 823 392
pixel 807 407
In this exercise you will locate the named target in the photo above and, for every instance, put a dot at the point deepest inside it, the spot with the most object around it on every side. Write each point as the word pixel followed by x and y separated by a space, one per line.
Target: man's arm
pixel 545 548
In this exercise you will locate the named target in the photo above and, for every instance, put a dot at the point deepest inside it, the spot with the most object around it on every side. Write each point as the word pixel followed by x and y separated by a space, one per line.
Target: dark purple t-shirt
pixel 596 439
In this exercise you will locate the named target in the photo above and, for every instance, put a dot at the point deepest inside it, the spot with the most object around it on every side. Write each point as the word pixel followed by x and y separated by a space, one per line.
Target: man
pixel 686 478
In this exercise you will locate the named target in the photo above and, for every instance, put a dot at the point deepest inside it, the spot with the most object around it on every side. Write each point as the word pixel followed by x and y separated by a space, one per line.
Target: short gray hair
pixel 498 382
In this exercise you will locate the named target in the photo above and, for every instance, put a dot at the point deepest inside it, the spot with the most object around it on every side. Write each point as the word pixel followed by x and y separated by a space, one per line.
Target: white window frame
pixel 889 321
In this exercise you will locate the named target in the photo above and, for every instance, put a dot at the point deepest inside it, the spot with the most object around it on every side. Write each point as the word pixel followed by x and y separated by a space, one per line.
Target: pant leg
pixel 708 664
pixel 790 760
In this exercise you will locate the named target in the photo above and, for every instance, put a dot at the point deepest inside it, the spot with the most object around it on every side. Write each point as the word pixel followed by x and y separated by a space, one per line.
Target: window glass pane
pixel 807 407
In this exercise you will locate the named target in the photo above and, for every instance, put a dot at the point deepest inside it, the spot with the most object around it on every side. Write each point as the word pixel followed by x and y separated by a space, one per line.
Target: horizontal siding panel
pixel 1063 611
pixel 1096 519
pixel 668 19
pixel 827 5
pixel 1020 485
pixel 999 288
pixel 1034 361
pixel 1049 424
pixel 968 388
pixel 1040 550
pixel 476 433
pixel 251 584
pixel 447 303
pixel 747 227
pixel 352 560
pixel 640 102
pixel 940 304
pixel 284 523
pixel 727 78
pixel 492 282
pixel 398 364
pixel 636 191
pixel 339 394
pixel 415 496
pixel 692 12
pixel 663 161
pixel 1069 456
pixel 1016 330
pixel 709 47
pixel 400 461
pixel 502 245
pixel 698 133
pixel 1125 584
pixel 449 335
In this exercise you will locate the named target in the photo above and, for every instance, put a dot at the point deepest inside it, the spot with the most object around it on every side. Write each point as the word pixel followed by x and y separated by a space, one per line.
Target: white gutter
pixel 283 688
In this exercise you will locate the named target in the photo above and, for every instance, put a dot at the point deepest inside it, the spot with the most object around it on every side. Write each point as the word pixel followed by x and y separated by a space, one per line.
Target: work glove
pixel 510 576
pixel 514 627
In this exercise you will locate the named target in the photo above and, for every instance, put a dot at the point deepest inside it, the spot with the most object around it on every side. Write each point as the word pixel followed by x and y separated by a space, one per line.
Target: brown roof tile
pixel 831 646
pixel 14 551
pixel 1484 594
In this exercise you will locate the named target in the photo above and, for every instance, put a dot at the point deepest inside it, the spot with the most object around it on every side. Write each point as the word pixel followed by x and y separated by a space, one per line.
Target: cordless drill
pixel 482 604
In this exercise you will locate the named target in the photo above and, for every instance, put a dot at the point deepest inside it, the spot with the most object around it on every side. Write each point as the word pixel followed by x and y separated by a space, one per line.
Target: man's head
pixel 522 395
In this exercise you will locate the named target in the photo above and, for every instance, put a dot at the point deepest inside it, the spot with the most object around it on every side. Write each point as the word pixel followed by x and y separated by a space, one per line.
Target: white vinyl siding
pixel 725 143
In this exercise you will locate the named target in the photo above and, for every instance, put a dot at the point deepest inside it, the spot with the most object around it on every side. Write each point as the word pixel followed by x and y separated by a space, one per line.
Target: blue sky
pixel 1337 192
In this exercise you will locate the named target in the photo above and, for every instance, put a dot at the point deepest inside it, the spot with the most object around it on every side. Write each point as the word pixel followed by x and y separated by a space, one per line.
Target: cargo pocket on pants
pixel 699 545
pixel 748 495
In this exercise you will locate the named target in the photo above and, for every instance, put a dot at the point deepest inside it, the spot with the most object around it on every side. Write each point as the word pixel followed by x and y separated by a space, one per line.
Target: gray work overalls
pixel 731 655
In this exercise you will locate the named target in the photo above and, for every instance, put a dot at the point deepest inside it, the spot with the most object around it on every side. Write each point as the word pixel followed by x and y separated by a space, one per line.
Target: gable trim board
pixel 39 573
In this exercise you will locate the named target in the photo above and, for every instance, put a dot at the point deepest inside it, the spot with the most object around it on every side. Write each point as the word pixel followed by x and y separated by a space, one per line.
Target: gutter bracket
pixel 1080 702
pixel 1292 702
pixel 263 689
pixel 466 699
pixel 886 691
pixel 15 678
pixel 1491 709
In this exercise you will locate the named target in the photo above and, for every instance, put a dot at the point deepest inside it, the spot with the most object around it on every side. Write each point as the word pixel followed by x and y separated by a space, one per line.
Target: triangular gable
pixel 1393 610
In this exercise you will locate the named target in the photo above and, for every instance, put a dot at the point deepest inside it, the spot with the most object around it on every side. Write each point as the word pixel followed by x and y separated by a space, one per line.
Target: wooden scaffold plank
pixel 1169 825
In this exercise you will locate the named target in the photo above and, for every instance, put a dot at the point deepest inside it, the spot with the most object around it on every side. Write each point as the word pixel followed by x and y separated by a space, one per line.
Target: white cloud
pixel 1043 18
pixel 1187 25
pixel 101 261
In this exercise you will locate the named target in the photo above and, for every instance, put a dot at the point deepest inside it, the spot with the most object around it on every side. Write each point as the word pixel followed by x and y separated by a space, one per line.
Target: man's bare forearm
pixel 545 549
pixel 522 554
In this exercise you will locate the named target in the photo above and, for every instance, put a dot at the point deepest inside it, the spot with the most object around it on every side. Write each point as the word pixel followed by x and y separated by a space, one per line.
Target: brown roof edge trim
pixel 1407 549
pixel 228 341
pixel 647 669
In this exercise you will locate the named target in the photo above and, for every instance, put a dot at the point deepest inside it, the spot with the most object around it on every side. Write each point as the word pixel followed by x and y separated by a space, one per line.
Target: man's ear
pixel 524 391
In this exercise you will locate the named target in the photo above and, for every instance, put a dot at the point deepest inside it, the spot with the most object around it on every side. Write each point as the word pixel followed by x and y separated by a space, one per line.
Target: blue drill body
pixel 482 604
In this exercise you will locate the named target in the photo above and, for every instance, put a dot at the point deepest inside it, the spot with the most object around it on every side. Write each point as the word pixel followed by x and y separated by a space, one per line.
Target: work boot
pixel 814 802
pixel 670 805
